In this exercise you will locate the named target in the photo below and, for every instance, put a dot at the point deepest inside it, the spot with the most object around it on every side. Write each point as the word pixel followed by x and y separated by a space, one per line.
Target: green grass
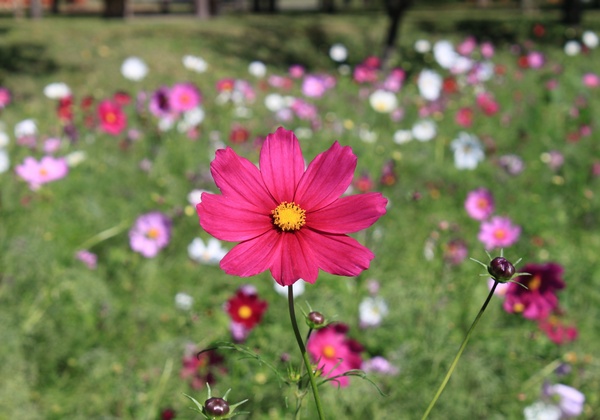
pixel 108 343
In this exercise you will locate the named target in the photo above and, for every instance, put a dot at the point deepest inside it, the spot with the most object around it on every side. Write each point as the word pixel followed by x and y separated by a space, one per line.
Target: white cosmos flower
pixel 422 46
pixel 468 151
pixel 298 289
pixel 257 69
pixel 210 253
pixel 194 116
pixel 338 53
pixel 75 158
pixel 25 128
pixel 462 65
pixel 572 48
pixel 590 39
pixel 429 84
pixel 383 101
pixel 4 161
pixel 195 196
pixel 542 411
pixel 4 139
pixel 57 90
pixel 134 68
pixel 275 102
pixel 444 54
pixel 424 130
pixel 197 64
pixel 183 301
pixel 371 311
pixel 402 136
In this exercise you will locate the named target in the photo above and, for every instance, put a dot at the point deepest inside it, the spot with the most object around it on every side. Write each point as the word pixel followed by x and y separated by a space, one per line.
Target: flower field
pixel 163 181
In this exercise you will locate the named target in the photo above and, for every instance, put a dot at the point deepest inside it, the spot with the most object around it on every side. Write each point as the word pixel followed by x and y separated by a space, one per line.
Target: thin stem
pixel 311 376
pixel 460 352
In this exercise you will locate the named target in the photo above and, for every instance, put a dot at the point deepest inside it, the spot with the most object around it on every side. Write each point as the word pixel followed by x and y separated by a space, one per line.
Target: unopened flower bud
pixel 216 407
pixel 501 269
pixel 316 318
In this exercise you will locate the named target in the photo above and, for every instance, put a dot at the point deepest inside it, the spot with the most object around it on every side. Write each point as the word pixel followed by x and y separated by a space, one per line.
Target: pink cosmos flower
pixel 150 233
pixel 464 117
pixel 313 86
pixel 499 232
pixel 5 97
pixel 570 400
pixel 304 110
pixel 296 71
pixel 36 173
pixel 557 331
pixel 535 59
pixel 288 219
pixel 183 97
pixel 112 118
pixel 467 46
pixel 334 352
pixel 488 104
pixel 479 204
pixel 88 258
pixel 539 300
pixel 487 49
pixel 591 80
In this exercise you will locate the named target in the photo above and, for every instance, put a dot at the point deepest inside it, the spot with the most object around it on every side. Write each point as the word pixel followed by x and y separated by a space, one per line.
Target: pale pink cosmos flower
pixel 499 232
pixel 479 204
pixel 591 80
pixel 289 219
pixel 36 173
pixel 535 59
pixel 487 49
pixel 313 86
pixel 184 97
pixel 88 258
pixel 150 233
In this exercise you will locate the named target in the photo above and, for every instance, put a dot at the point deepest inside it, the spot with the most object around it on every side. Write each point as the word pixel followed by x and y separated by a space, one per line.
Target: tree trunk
pixel 35 8
pixel 572 12
pixel 202 9
pixel 114 8
pixel 395 11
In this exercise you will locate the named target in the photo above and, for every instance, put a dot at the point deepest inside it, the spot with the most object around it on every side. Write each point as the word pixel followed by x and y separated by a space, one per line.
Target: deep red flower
pixel 239 134
pixel 246 308
pixel 539 300
pixel 65 109
pixel 289 219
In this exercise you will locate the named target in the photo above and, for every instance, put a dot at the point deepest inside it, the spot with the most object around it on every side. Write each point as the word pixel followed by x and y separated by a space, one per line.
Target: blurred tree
pixel 395 10
pixel 35 8
pixel 257 6
pixel 572 11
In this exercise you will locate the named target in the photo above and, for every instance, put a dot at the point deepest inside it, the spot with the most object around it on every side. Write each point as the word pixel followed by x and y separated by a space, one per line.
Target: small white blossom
pixel 75 158
pixel 422 46
pixel 25 128
pixel 183 301
pixel 429 84
pixel 209 253
pixel 338 53
pixel 402 136
pixel 371 311
pixel 468 151
pixel 383 101
pixel 590 39
pixel 542 411
pixel 298 288
pixel 197 64
pixel 257 69
pixel 572 48
pixel 57 90
pixel 424 130
pixel 134 68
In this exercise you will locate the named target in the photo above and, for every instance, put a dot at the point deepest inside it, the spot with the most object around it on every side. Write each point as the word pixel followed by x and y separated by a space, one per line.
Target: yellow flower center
pixel 43 172
pixel 500 234
pixel 482 203
pixel 245 312
pixel 328 352
pixel 518 307
pixel 152 233
pixel 535 283
pixel 289 216
pixel 110 117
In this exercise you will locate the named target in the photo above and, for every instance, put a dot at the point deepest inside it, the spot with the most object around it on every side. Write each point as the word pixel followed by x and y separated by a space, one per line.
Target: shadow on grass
pixel 25 58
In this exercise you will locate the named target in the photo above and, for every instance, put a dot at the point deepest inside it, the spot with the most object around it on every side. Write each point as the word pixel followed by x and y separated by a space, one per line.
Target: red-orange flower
pixel 288 219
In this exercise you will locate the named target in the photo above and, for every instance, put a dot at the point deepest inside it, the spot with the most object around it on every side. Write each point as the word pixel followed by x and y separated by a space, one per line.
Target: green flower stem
pixel 311 376
pixel 460 352
pixel 104 235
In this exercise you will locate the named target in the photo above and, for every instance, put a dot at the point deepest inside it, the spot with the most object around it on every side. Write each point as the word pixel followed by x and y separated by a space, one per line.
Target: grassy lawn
pixel 108 343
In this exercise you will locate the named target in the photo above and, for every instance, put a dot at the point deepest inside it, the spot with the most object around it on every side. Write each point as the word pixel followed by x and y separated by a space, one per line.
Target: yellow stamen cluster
pixel 329 352
pixel 289 216
pixel 153 233
pixel 245 312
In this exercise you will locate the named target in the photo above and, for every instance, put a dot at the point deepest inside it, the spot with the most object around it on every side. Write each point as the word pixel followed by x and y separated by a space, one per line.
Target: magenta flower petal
pixel 281 164
pixel 231 219
pixel 295 262
pixel 252 257
pixel 348 214
pixel 326 178
pixel 338 254
pixel 240 180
